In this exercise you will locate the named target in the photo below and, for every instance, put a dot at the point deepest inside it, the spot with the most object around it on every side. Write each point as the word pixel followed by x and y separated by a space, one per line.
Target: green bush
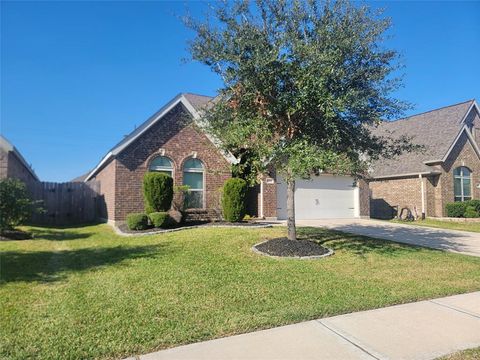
pixel 455 209
pixel 475 204
pixel 157 192
pixel 471 212
pixel 16 206
pixel 233 199
pixel 459 209
pixel 137 221
pixel 159 219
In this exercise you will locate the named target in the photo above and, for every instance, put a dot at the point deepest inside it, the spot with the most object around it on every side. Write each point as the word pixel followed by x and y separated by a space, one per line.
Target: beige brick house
pixel 173 141
pixel 447 169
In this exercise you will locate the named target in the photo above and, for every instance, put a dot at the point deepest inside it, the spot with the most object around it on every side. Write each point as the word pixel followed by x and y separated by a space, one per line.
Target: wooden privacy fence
pixel 66 203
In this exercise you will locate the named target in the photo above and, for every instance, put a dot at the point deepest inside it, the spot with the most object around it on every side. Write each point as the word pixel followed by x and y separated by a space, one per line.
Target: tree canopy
pixel 304 84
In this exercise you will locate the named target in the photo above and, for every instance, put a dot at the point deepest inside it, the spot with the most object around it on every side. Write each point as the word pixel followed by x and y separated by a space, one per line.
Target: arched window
pixel 162 164
pixel 193 172
pixel 462 183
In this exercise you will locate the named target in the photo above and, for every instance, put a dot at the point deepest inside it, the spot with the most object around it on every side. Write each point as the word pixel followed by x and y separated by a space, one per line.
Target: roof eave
pixel 414 174
pixel 179 99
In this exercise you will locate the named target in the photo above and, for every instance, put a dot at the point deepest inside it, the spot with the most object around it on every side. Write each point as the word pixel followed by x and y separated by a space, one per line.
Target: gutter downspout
pixel 422 189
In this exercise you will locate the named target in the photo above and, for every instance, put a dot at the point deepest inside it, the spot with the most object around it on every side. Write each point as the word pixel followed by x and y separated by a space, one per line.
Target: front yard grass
pixel 470 354
pixel 88 293
pixel 452 225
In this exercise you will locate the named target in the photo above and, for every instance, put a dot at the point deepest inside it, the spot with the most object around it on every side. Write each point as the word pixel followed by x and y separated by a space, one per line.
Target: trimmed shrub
pixel 16 206
pixel 475 204
pixel 455 209
pixel 233 199
pixel 137 221
pixel 159 219
pixel 157 192
pixel 471 212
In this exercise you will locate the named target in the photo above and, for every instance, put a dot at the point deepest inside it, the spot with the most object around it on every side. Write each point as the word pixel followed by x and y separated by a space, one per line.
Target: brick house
pixel 447 169
pixel 173 141
pixel 14 165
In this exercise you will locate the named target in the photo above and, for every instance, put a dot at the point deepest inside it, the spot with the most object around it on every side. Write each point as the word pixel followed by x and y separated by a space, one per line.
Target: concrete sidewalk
pixel 421 330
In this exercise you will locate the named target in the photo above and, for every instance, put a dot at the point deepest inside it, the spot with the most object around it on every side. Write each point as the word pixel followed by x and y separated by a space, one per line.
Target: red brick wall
pixel 179 138
pixel 107 190
pixel 364 195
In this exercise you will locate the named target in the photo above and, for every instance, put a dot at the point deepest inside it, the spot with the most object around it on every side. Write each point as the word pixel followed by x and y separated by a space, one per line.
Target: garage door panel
pixel 321 197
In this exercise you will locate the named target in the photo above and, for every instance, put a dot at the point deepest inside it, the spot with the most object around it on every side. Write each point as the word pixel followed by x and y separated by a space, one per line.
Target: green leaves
pixel 304 81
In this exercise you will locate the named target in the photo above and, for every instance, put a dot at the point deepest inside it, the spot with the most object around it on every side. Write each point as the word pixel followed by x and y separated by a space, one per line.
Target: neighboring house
pixel 447 169
pixel 173 141
pixel 13 164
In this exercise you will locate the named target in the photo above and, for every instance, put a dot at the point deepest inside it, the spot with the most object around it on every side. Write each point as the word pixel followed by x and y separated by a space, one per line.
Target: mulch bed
pixel 123 227
pixel 15 235
pixel 287 248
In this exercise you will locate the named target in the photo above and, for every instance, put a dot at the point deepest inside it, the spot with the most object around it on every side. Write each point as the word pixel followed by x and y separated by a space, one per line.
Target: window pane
pixel 465 172
pixel 193 180
pixel 457 190
pixel 457 171
pixel 193 164
pixel 161 161
pixel 194 200
pixel 467 187
pixel 458 198
pixel 166 172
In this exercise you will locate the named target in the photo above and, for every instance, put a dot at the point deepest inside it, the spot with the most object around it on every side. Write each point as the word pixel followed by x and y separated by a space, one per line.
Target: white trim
pixel 180 98
pixel 422 190
pixel 405 175
pixel 470 137
pixel 356 201
pixel 474 105
pixel 261 199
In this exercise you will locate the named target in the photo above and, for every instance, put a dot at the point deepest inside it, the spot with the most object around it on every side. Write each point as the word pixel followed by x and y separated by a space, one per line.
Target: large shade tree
pixel 304 82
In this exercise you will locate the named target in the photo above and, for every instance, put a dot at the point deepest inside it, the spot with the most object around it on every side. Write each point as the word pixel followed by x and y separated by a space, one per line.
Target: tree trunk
pixel 292 231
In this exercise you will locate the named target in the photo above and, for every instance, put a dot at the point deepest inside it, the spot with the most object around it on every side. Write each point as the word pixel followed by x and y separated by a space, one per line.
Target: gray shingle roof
pixel 435 130
pixel 197 101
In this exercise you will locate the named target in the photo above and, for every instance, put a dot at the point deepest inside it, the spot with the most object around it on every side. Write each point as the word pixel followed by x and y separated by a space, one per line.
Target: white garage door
pixel 321 197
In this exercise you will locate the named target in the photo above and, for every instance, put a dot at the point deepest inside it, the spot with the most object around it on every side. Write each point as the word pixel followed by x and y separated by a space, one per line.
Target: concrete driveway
pixel 449 240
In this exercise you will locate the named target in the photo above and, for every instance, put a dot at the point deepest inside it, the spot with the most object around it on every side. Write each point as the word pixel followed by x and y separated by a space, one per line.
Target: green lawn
pixel 88 293
pixel 465 226
pixel 471 354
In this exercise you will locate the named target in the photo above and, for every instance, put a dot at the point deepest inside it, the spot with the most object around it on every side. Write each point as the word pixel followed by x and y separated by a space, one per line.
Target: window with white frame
pixel 162 164
pixel 193 177
pixel 462 183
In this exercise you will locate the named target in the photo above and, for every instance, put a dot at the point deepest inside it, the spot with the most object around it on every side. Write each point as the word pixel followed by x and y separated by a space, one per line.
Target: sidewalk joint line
pixel 348 340
pixel 455 308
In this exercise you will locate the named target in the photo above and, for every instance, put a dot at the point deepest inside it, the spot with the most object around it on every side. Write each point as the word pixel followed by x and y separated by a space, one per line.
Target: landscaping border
pixel 118 231
pixel 255 250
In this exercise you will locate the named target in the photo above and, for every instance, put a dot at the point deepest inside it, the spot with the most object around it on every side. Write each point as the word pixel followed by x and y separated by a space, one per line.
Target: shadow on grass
pixel 55 234
pixel 50 266
pixel 356 244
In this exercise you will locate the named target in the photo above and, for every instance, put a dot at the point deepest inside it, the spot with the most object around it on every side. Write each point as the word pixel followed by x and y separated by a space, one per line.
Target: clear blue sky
pixel 78 76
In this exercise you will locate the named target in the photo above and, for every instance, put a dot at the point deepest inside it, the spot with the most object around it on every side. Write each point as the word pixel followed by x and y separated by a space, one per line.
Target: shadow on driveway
pixel 447 240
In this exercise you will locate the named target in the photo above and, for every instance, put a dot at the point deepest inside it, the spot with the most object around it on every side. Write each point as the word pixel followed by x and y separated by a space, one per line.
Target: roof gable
pixel 191 102
pixel 437 131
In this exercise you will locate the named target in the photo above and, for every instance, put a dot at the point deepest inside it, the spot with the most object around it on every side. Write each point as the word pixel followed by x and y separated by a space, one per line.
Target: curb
pixel 122 233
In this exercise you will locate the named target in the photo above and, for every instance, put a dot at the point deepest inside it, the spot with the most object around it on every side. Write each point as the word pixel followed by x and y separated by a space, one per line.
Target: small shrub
pixel 137 221
pixel 471 212
pixel 455 209
pixel 233 199
pixel 157 192
pixel 16 206
pixel 159 219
